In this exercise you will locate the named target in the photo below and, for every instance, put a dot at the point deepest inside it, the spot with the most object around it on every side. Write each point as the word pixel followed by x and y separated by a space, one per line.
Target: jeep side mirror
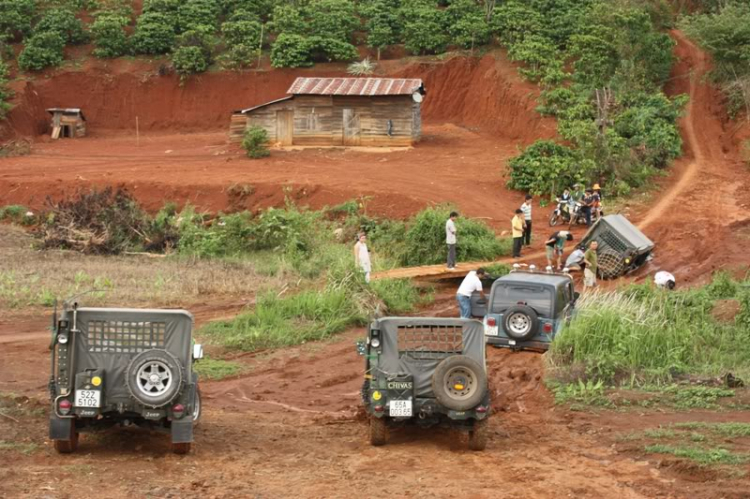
pixel 361 347
pixel 197 351
pixel 576 295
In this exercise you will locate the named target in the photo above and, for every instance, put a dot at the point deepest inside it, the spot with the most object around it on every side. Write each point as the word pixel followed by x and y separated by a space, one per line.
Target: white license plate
pixel 400 408
pixel 88 398
pixel 490 330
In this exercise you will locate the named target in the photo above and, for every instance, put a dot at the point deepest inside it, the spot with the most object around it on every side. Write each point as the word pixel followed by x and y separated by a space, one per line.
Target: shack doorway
pixel 352 131
pixel 284 127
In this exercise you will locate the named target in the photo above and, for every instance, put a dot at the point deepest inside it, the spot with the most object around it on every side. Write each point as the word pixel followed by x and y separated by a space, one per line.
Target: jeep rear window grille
pixel 125 336
pixel 614 242
pixel 430 342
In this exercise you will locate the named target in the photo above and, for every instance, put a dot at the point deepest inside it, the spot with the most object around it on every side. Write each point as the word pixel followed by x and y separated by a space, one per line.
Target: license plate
pixel 490 330
pixel 400 408
pixel 511 342
pixel 88 398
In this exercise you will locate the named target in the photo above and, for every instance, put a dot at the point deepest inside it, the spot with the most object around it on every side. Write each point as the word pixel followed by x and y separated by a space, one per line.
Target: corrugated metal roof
pixel 244 111
pixel 66 110
pixel 355 86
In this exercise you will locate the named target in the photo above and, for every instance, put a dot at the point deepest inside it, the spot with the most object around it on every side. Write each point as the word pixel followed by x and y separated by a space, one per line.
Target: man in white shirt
pixel 664 279
pixel 526 209
pixel 472 282
pixel 450 239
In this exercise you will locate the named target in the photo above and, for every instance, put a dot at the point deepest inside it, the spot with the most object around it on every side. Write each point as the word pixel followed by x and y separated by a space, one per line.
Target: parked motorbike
pixel 562 214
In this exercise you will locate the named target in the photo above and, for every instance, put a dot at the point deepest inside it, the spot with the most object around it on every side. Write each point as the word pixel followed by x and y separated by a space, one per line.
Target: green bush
pixel 382 23
pixel 201 15
pixel 255 142
pixel 15 18
pixel 154 34
pixel 546 167
pixel 242 40
pixel 108 33
pixel 41 51
pixel 425 27
pixel 5 93
pixel 189 60
pixel 64 22
pixel 425 239
pixel 331 19
pixel 468 25
pixel 168 7
pixel 290 51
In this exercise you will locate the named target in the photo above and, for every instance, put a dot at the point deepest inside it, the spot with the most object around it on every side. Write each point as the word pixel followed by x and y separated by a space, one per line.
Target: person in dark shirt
pixel 555 245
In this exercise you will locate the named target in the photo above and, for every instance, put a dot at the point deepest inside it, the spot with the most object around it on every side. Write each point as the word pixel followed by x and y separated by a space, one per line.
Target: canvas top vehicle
pixel 123 366
pixel 526 309
pixel 426 371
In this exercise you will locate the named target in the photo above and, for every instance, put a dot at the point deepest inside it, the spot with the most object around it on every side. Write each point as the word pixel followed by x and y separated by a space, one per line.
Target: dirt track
pixel 291 426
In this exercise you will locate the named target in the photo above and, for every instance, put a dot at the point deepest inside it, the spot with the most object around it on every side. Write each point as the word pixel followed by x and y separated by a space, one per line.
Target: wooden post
pixel 137 133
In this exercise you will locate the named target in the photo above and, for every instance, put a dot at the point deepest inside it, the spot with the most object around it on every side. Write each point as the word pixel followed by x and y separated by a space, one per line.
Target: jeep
pixel 526 309
pixel 622 247
pixel 118 366
pixel 428 372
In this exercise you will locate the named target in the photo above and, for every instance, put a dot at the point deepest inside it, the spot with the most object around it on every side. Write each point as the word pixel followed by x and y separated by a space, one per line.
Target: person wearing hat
pixel 597 206
pixel 577 193
pixel 587 205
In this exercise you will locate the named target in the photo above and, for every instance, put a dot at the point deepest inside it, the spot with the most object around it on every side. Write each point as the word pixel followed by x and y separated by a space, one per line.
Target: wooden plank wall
pixel 318 120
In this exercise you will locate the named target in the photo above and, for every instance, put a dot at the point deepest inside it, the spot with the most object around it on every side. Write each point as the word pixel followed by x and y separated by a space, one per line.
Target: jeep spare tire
pixel 520 322
pixel 459 383
pixel 155 378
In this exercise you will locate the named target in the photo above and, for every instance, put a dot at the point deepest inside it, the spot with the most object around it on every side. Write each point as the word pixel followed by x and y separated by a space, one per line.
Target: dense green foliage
pixel 255 142
pixel 724 30
pixel 15 18
pixel 642 334
pixel 64 22
pixel 42 50
pixel 108 33
pixel 5 92
pixel 601 66
pixel 154 34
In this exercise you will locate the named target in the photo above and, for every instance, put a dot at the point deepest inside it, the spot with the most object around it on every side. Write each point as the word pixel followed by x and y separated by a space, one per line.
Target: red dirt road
pixel 290 426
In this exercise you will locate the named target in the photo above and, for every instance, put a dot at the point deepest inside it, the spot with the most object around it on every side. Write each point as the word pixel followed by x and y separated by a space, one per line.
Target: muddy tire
pixel 520 322
pixel 181 448
pixel 197 406
pixel 155 378
pixel 378 431
pixel 68 446
pixel 459 383
pixel 479 435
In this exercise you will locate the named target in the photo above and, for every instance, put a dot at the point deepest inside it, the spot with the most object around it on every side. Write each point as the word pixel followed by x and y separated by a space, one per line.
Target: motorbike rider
pixel 577 193
pixel 566 201
pixel 588 205
pixel 597 198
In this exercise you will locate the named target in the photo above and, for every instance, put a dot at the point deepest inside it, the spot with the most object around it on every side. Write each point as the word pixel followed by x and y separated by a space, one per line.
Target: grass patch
pixel 716 455
pixel 24 448
pixel 732 430
pixel 660 433
pixel 216 369
pixel 642 335
pixel 400 295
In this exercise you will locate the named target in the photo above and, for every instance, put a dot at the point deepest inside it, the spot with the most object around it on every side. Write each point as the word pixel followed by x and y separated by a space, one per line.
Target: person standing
pixel 555 245
pixel 471 283
pixel 517 228
pixel 362 256
pixel 588 205
pixel 590 259
pixel 526 208
pixel 450 239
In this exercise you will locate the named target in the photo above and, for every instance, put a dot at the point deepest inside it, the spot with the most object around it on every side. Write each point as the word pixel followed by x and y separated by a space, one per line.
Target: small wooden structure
pixel 68 122
pixel 339 112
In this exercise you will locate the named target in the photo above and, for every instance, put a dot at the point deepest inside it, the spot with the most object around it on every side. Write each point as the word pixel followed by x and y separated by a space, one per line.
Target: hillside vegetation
pixel 600 63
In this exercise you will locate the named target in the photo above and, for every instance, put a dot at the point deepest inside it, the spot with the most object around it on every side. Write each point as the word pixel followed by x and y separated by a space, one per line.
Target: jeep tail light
pixel 178 411
pixel 491 321
pixel 548 328
pixel 65 407
pixel 481 409
pixel 378 408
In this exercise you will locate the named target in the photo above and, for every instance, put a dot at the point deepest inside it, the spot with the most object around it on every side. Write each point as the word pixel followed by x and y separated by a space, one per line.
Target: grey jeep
pixel 526 309
pixel 426 371
pixel 119 366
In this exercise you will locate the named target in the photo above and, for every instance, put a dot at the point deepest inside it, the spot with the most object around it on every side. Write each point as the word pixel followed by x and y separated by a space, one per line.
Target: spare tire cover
pixel 155 378
pixel 459 383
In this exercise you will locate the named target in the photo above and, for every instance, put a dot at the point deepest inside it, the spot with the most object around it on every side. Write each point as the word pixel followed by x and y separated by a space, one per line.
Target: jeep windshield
pixel 505 296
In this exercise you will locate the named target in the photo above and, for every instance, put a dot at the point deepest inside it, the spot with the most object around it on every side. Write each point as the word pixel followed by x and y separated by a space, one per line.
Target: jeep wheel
pixel 68 446
pixel 520 322
pixel 197 407
pixel 378 431
pixel 181 448
pixel 155 378
pixel 459 383
pixel 478 435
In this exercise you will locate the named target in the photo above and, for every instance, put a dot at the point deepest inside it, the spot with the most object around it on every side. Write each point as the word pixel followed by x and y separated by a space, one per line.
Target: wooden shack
pixel 68 122
pixel 339 112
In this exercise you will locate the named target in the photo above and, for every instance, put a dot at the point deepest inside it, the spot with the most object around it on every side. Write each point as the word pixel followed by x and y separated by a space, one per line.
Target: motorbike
pixel 562 214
